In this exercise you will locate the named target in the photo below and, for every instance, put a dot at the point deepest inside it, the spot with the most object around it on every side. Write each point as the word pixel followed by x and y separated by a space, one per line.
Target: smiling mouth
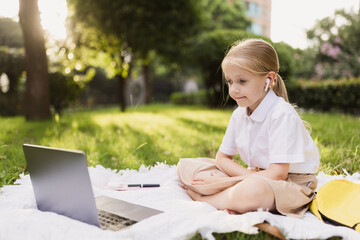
pixel 239 98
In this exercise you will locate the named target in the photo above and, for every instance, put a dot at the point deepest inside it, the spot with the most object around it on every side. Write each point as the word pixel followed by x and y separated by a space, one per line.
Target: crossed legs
pixel 248 195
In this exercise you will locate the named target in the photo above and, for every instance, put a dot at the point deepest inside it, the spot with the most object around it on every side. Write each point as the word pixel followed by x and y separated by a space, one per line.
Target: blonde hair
pixel 258 57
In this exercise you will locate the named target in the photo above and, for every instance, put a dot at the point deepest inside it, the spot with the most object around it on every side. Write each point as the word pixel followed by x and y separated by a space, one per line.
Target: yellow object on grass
pixel 338 202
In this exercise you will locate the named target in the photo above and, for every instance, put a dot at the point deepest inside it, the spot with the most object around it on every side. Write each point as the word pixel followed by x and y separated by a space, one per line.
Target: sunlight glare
pixel 52 13
pixel 9 9
pixel 53 17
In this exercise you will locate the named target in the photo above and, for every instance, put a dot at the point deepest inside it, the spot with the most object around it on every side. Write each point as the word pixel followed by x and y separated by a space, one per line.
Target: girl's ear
pixel 272 76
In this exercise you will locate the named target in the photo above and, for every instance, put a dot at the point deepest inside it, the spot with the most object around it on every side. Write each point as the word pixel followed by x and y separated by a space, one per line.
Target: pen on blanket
pixel 143 185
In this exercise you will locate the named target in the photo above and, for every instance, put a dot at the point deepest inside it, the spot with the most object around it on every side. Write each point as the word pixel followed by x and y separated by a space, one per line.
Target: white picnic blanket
pixel 182 217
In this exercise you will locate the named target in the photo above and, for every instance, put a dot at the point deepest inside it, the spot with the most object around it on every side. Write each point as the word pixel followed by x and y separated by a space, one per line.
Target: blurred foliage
pixel 219 14
pixel 337 43
pixel 338 95
pixel 134 28
pixel 173 31
pixel 12 63
pixel 63 91
pixel 209 49
pixel 10 33
pixel 63 88
pixel 88 47
pixel 286 60
pixel 141 25
pixel 304 63
pixel 193 98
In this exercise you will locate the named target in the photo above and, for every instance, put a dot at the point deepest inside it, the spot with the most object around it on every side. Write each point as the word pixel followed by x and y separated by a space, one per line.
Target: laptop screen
pixel 61 182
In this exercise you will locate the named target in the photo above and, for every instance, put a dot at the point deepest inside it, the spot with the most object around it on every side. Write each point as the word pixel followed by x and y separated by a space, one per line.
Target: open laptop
pixel 61 184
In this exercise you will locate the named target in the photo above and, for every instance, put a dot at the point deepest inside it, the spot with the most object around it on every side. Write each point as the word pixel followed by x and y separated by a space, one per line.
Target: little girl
pixel 267 133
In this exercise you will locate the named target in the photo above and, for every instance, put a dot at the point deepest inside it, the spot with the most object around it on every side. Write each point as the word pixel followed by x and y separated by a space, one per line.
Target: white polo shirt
pixel 273 133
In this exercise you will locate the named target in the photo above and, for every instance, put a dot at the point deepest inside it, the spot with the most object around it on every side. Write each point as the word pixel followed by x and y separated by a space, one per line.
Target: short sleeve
pixel 228 144
pixel 287 139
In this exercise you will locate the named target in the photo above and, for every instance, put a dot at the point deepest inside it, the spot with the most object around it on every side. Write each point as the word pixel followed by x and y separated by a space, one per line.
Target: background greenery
pixel 110 45
pixel 330 95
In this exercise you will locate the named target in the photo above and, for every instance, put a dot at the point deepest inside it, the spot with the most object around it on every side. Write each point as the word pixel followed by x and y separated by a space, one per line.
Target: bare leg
pixel 248 195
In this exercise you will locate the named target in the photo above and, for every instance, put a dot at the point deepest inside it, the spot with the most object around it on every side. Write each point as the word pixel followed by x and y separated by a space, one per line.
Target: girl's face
pixel 246 88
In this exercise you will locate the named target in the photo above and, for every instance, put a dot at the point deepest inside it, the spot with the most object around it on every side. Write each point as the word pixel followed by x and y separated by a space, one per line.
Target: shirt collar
pixel 264 107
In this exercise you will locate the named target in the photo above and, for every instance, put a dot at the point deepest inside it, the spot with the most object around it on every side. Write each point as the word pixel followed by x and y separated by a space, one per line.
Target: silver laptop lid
pixel 61 182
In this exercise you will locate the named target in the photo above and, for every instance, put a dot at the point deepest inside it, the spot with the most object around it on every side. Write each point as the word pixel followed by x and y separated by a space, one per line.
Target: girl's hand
pixel 213 178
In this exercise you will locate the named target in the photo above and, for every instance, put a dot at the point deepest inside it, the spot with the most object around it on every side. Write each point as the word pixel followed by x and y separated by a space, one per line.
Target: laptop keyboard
pixel 109 221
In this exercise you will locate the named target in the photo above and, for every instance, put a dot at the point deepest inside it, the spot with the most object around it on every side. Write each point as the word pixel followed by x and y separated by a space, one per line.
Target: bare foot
pixel 194 195
pixel 230 211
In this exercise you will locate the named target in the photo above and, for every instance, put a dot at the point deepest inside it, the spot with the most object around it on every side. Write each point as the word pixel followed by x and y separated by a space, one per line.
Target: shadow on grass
pixel 147 149
pixel 201 126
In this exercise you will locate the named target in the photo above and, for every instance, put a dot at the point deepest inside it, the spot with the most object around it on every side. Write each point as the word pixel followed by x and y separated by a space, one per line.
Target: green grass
pixel 145 135
pixel 338 139
pixel 160 133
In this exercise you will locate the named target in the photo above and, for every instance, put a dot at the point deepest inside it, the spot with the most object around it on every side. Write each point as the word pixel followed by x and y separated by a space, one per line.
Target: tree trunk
pixel 37 95
pixel 146 72
pixel 121 92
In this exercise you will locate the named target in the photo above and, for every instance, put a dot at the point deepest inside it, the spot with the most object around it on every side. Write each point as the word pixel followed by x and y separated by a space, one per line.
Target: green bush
pixel 336 95
pixel 286 60
pixel 63 90
pixel 330 95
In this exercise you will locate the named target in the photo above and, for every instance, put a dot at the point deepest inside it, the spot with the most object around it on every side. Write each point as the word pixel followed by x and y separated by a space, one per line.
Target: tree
pixel 12 61
pixel 220 14
pixel 37 97
pixel 93 48
pixel 336 39
pixel 139 26
pixel 223 23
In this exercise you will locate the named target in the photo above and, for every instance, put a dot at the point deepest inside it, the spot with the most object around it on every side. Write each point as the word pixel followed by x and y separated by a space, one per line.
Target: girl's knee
pixel 252 188
pixel 252 194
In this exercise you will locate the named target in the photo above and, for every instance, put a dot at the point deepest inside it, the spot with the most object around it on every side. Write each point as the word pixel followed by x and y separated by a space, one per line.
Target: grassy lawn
pixel 159 133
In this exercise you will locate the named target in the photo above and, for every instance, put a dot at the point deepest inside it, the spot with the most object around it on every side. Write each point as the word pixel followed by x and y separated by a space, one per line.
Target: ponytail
pixel 280 90
pixel 279 87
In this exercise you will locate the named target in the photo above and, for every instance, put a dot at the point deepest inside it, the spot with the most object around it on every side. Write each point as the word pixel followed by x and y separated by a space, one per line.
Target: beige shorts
pixel 292 196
